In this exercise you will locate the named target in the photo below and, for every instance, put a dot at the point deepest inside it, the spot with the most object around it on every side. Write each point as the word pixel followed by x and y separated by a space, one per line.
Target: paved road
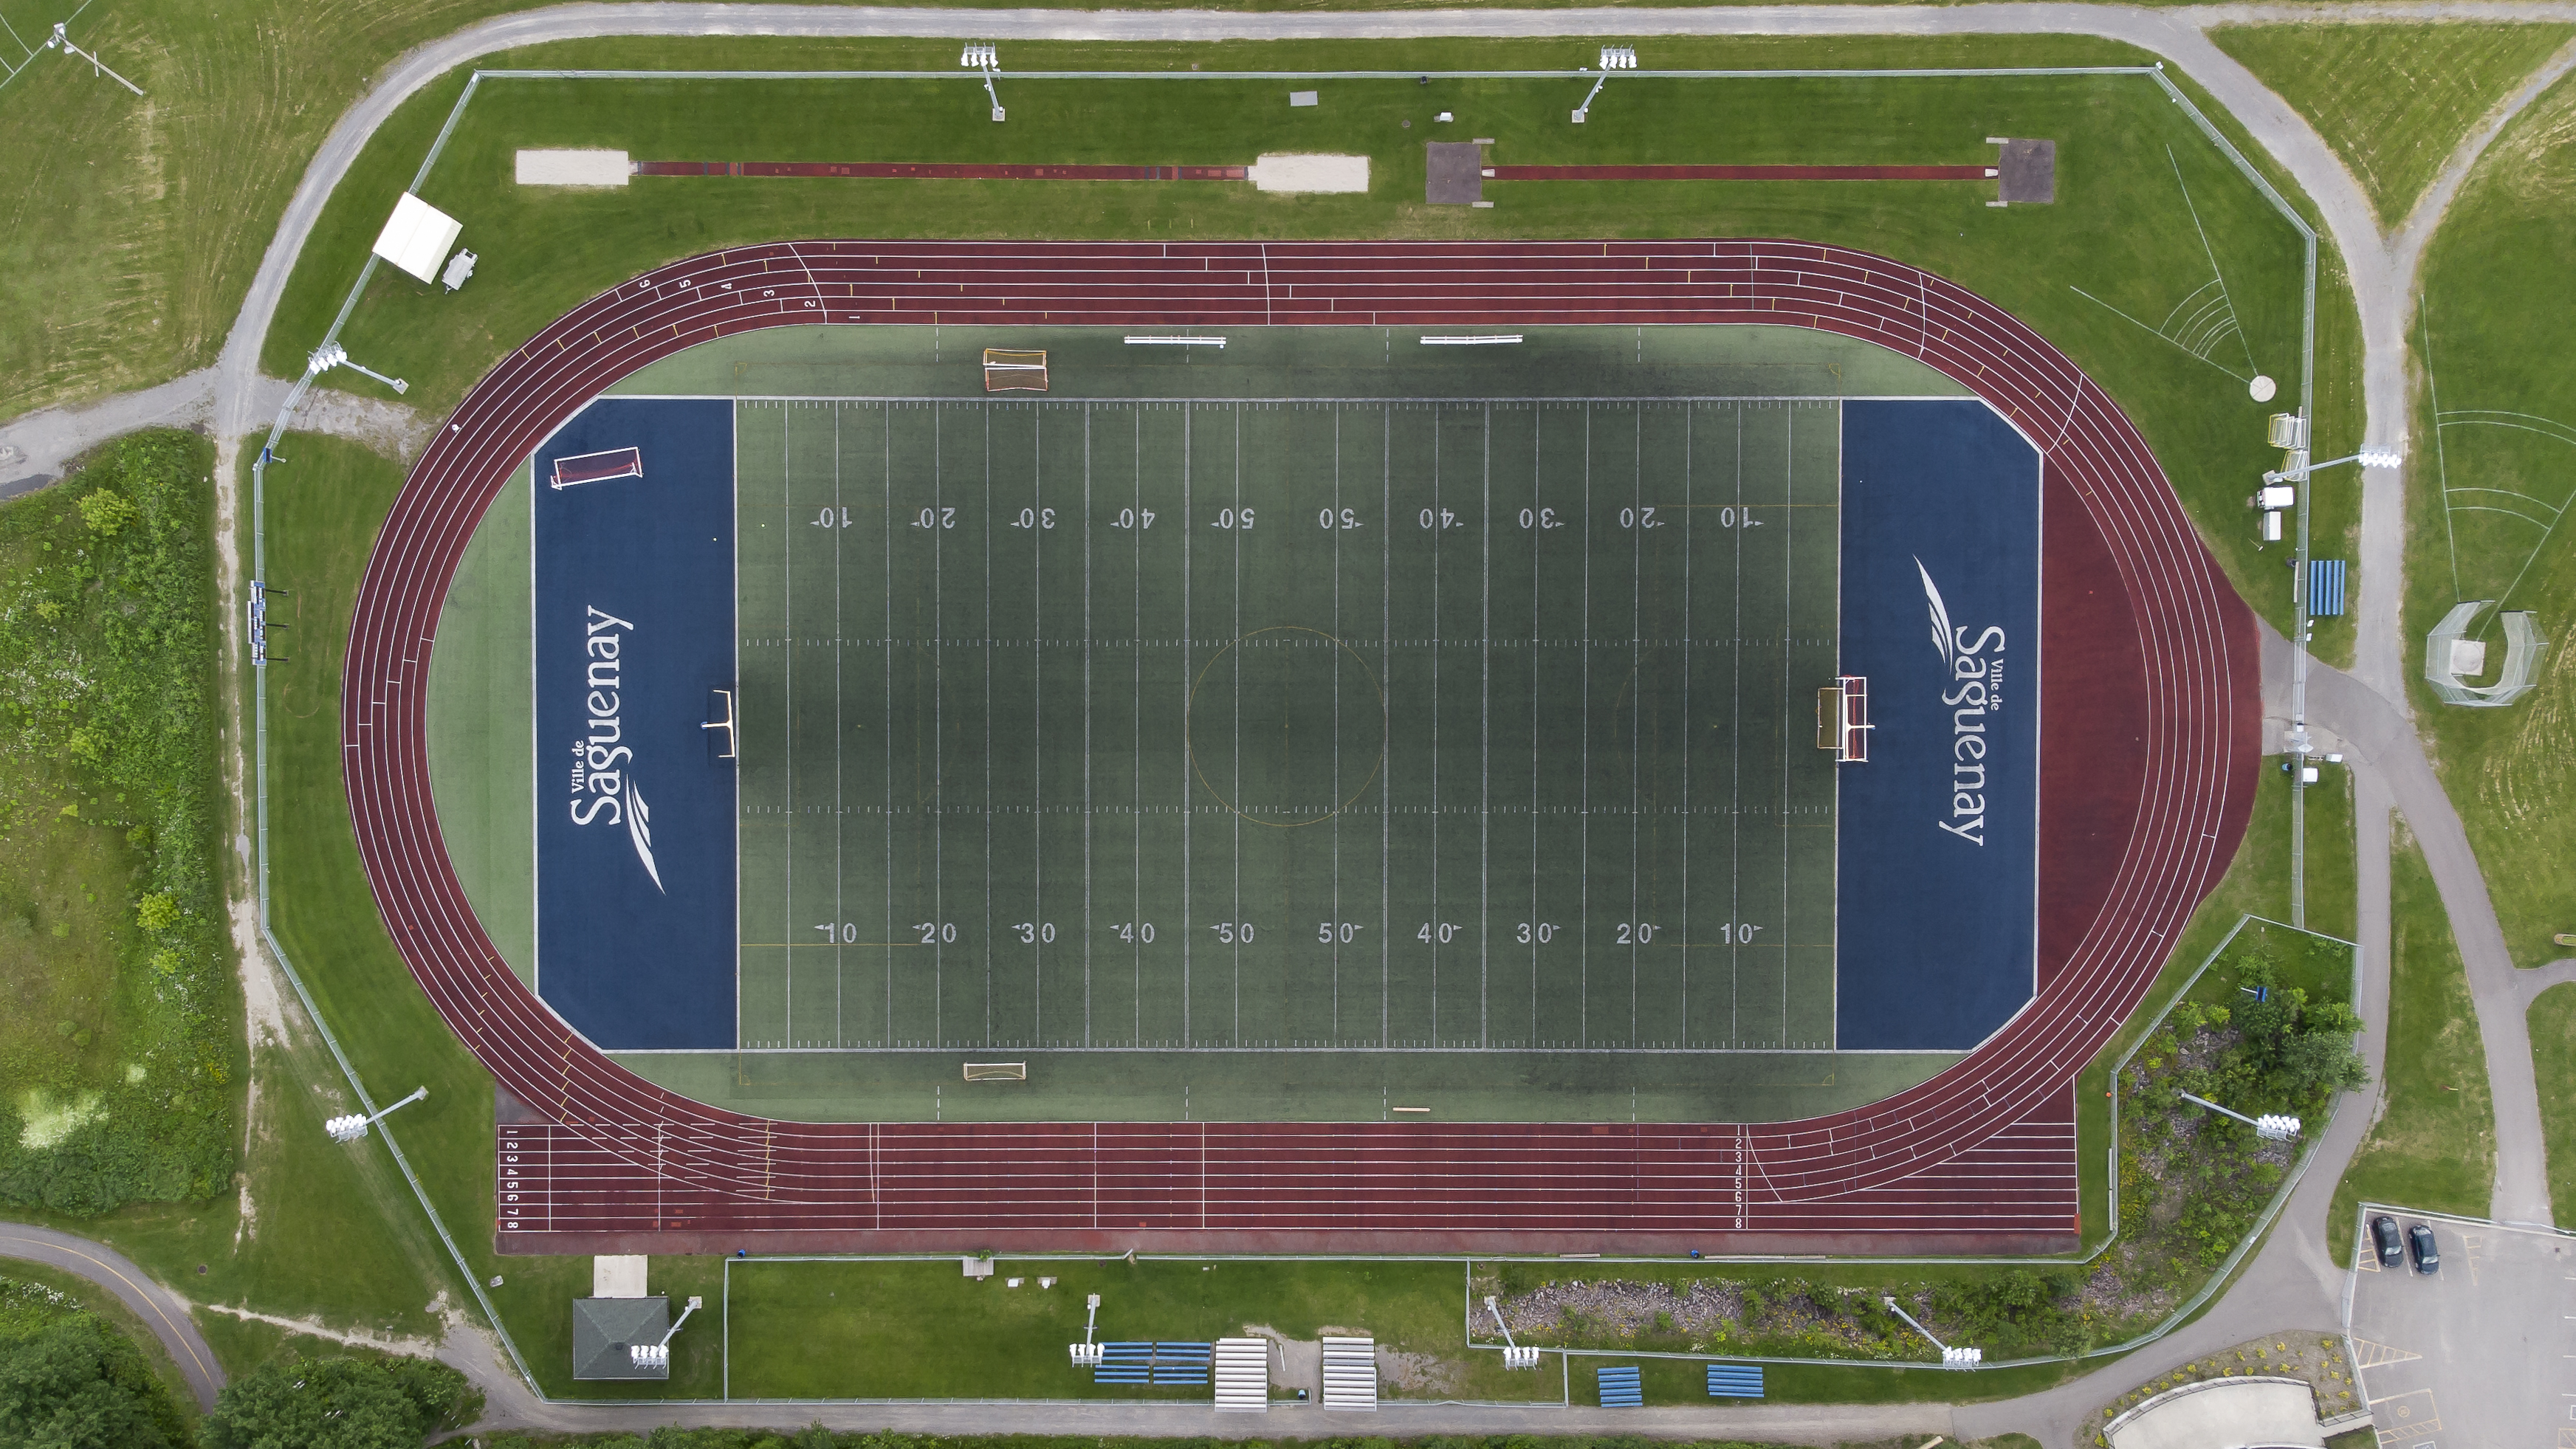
pixel 2366 710
pixel 164 1311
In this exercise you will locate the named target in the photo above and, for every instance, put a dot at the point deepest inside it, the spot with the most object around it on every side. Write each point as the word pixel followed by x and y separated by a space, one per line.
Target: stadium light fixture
pixel 331 354
pixel 1952 1357
pixel 1515 1356
pixel 658 1355
pixel 2367 457
pixel 62 41
pixel 980 56
pixel 2269 1127
pixel 1613 57
pixel 353 1126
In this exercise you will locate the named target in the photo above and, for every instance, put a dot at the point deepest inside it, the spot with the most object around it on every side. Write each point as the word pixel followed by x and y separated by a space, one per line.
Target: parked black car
pixel 2392 1249
pixel 2428 1258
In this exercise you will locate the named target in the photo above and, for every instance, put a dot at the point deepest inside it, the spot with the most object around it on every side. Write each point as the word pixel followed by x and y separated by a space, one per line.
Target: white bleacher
pixel 1350 1374
pixel 1243 1375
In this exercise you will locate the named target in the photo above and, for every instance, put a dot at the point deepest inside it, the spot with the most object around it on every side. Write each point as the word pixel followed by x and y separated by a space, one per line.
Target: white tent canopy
pixel 416 237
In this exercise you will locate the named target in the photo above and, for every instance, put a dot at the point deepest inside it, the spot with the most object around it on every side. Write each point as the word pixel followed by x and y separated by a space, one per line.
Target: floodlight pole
pixel 96 65
pixel 1955 1358
pixel 645 1355
pixel 2268 1127
pixel 331 354
pixel 353 1127
pixel 1581 110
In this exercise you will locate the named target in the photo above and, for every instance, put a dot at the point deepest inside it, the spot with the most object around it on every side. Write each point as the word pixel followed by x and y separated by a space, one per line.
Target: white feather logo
pixel 1944 638
pixel 639 828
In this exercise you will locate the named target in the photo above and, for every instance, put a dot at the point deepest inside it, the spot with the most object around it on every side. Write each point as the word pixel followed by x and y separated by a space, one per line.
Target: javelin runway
pixel 2155 667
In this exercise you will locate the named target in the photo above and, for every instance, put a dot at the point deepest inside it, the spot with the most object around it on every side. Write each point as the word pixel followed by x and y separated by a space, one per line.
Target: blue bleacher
pixel 1182 1363
pixel 1124 1363
pixel 2325 587
pixel 1154 1363
pixel 1620 1388
pixel 1734 1381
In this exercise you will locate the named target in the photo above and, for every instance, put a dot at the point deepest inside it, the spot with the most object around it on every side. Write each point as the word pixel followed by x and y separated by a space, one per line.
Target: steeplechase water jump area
pixel 1562 746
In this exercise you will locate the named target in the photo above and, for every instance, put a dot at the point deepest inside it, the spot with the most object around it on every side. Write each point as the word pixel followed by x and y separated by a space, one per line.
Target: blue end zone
pixel 1936 857
pixel 634 616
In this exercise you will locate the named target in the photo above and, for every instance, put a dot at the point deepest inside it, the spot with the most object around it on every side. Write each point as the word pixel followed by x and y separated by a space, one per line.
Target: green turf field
pixel 1317 726
pixel 1286 724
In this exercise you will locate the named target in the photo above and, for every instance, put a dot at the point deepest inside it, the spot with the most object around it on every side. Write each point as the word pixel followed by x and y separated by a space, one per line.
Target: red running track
pixel 1739 173
pixel 592 1158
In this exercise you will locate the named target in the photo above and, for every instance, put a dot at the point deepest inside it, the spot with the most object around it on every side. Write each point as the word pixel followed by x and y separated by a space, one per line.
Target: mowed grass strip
pixel 2393 100
pixel 2483 509
pixel 2433 1146
pixel 2553 1053
pixel 2121 229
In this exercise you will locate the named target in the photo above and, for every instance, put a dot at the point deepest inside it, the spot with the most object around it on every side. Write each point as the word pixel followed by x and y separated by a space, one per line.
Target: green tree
pixel 340 1403
pixel 79 1385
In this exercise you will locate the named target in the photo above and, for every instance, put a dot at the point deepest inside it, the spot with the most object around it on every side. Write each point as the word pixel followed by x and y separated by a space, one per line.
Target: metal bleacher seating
pixel 1152 1363
pixel 1620 1388
pixel 1350 1374
pixel 1734 1381
pixel 1124 1363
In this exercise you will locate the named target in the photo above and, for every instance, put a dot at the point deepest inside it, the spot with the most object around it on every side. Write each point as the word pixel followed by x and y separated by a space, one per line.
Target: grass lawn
pixel 2482 509
pixel 545 252
pixel 2434 1144
pixel 2553 1052
pixel 324 508
pixel 2393 100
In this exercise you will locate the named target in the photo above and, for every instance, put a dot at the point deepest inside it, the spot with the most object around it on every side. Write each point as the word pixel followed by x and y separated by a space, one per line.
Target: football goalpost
pixel 1008 371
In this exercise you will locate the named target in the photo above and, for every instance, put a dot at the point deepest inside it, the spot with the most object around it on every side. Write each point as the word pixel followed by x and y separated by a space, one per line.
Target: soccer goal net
pixel 1006 371
pixel 997 1071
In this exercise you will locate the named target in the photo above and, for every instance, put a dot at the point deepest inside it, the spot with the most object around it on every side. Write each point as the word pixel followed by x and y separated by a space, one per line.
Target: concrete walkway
pixel 165 1312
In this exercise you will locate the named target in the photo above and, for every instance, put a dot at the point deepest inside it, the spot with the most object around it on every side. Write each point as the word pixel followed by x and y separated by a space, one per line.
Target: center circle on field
pixel 1286 726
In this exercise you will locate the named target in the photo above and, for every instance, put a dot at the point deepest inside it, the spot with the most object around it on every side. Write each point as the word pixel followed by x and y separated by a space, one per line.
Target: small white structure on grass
pixel 416 237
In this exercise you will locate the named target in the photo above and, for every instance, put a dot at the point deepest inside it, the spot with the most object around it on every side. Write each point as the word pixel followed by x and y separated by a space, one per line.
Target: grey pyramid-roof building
pixel 602 1329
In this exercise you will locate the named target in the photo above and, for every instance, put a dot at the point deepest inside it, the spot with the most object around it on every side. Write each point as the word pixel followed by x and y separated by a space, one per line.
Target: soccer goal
pixel 1842 719
pixel 1006 371
pixel 997 1071
pixel 597 467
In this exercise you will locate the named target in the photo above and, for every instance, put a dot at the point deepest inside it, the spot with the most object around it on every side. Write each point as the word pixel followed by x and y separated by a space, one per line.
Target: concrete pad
pixel 1310 173
pixel 1455 173
pixel 2030 171
pixel 1301 98
pixel 619 1276
pixel 2223 1414
pixel 574 168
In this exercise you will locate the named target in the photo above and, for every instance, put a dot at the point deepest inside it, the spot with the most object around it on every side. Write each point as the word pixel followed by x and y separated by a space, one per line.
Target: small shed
pixel 604 1328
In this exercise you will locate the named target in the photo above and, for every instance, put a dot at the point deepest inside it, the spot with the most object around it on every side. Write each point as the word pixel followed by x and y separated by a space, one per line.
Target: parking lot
pixel 2481 1355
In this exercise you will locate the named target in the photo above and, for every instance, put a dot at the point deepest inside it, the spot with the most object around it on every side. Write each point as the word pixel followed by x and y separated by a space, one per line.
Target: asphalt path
pixel 2367 710
pixel 165 1312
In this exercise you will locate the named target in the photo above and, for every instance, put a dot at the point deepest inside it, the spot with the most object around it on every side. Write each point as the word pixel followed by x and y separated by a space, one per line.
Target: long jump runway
pixel 592 1158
